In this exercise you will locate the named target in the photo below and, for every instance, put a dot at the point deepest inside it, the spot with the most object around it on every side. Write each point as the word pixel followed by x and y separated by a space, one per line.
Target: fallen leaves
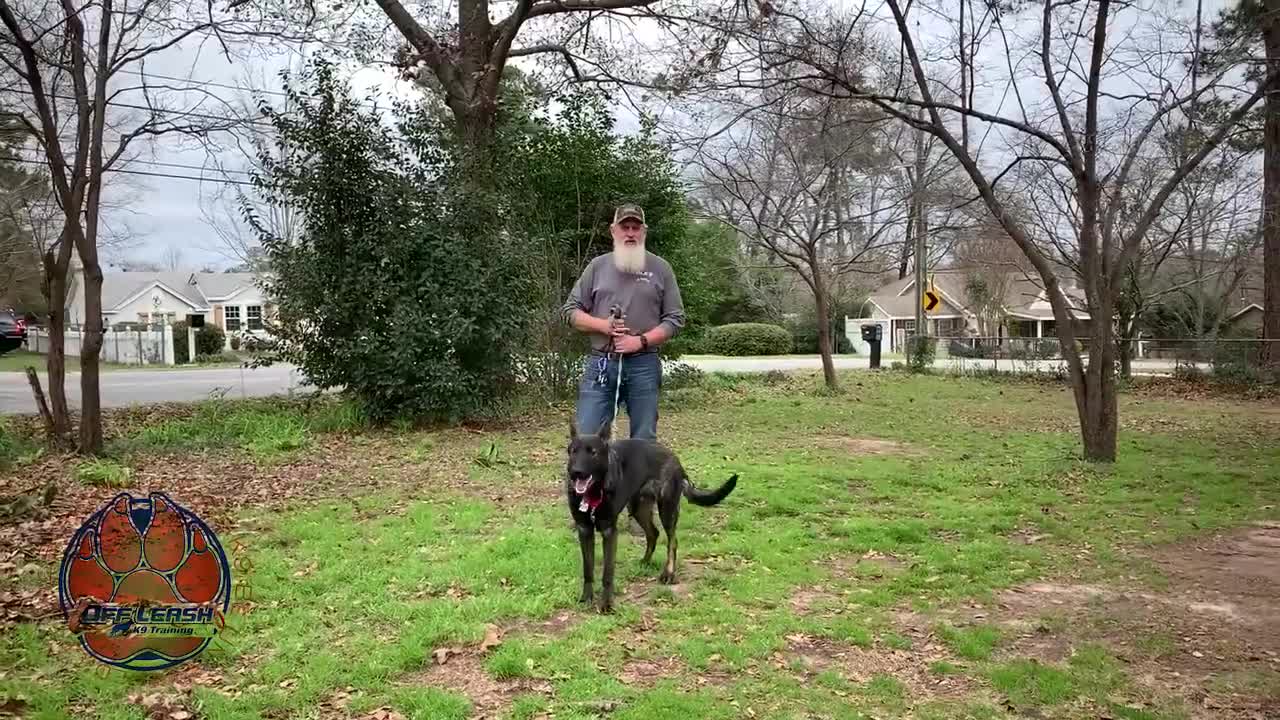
pixel 382 713
pixel 27 605
pixel 161 707
pixel 492 638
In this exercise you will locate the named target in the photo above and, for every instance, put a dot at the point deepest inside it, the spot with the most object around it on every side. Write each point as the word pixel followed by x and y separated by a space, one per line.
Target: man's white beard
pixel 629 258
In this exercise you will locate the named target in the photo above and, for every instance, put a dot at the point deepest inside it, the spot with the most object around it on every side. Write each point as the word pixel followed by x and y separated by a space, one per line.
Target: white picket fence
pixel 151 346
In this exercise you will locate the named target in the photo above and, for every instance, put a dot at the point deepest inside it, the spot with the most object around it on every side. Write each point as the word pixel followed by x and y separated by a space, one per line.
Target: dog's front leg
pixel 587 540
pixel 610 535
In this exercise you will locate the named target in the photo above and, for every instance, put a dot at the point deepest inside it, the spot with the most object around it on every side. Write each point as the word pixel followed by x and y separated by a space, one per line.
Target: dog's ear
pixel 605 431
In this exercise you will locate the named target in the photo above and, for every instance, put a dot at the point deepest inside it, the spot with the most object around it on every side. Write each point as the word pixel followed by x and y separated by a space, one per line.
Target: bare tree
pixel 171 258
pixel 1100 116
pixel 222 208
pixel 990 263
pixel 1249 31
pixel 792 184
pixel 78 73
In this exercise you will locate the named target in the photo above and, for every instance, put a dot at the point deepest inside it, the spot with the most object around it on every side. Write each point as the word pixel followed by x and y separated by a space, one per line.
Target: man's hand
pixel 627 344
pixel 604 326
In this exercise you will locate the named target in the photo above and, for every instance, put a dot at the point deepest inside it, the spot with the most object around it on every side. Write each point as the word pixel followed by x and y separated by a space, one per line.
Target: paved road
pixel 121 388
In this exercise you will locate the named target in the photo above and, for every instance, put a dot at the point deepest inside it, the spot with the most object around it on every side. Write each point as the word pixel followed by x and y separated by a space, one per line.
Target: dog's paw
pixel 606 607
pixel 667 578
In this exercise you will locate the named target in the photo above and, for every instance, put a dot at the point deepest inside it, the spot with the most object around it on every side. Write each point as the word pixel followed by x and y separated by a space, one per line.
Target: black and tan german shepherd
pixel 604 476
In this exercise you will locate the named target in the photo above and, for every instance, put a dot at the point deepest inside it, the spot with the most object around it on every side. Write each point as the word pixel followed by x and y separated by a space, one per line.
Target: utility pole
pixel 921 229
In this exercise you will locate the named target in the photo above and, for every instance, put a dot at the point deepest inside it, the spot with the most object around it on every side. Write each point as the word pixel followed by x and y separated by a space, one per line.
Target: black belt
pixel 599 353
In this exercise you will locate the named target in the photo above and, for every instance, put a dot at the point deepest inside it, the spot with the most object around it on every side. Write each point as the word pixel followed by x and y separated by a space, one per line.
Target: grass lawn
pixel 915 547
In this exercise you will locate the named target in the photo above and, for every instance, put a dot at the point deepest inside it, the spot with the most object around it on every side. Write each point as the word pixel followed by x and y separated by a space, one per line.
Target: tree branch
pixel 550 48
pixel 422 41
pixel 551 7
pixel 1130 244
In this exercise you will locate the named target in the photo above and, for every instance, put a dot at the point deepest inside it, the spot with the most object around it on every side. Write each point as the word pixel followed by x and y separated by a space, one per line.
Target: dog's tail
pixel 708 498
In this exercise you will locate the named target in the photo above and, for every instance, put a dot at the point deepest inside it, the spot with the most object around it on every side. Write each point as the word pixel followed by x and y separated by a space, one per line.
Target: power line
pixel 209 83
pixel 225 181
pixel 179 113
pixel 157 163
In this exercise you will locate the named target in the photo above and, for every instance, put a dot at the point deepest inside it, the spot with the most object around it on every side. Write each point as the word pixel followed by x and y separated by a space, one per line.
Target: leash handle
pixel 615 311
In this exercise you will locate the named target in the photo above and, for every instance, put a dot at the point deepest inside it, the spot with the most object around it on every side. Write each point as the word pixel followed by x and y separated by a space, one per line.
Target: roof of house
pixel 221 285
pixel 197 289
pixel 1024 296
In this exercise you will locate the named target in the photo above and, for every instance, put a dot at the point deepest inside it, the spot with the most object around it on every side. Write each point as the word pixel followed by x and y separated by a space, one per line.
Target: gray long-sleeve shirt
pixel 648 299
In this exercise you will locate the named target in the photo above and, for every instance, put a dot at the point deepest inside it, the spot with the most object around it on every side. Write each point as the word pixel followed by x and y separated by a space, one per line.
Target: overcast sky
pixel 164 214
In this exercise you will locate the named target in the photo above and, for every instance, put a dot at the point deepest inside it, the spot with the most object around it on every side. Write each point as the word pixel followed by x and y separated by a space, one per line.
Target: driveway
pixel 122 388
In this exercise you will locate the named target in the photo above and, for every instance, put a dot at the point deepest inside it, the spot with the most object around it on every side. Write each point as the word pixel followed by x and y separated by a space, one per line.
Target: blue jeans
pixel 641 380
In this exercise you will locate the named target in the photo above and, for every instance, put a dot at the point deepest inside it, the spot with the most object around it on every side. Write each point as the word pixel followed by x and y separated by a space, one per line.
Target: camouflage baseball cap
pixel 628 210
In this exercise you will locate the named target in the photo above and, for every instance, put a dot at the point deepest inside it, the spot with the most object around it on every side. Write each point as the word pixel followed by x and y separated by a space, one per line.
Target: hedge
pixel 209 341
pixel 748 339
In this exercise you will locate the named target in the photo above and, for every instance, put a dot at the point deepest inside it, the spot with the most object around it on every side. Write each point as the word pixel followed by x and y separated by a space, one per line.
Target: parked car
pixel 13 331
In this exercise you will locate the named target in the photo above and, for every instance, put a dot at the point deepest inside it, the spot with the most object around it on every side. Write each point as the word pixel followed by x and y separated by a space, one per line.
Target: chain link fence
pixel 1242 360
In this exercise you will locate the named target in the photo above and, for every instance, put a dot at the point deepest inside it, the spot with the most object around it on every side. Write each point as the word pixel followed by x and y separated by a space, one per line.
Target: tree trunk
pixel 43 407
pixel 1126 347
pixel 90 402
pixel 824 330
pixel 1271 193
pixel 1099 411
pixel 55 292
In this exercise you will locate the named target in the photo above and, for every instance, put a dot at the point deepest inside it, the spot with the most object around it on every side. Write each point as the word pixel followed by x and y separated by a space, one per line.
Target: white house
pixel 234 302
pixel 1025 305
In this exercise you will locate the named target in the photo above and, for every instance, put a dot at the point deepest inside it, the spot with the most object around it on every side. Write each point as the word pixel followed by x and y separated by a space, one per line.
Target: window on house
pixel 233 318
pixel 254 314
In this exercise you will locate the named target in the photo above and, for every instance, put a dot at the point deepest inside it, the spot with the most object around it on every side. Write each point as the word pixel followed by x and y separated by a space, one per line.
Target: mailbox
pixel 872 334
pixel 195 321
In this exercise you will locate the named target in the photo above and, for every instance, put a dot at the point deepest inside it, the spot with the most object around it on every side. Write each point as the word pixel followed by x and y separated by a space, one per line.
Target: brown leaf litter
pixel 464 673
pixel 912 667
pixel 860 445
pixel 1201 641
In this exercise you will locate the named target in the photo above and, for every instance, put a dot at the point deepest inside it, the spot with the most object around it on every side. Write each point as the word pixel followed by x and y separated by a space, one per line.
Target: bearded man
pixel 644 287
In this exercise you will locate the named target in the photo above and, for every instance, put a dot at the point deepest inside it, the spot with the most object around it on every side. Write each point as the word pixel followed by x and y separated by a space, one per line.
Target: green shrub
pixel 681 375
pixel 920 352
pixel 554 375
pixel 406 290
pixel 209 341
pixel 15 444
pixel 1237 361
pixel 804 337
pixel 103 473
pixel 741 339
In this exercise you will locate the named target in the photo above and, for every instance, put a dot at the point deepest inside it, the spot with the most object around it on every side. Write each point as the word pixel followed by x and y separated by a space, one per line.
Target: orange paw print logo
pixel 144 583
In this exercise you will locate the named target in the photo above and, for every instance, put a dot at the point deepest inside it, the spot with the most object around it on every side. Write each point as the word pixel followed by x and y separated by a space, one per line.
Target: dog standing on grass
pixel 604 476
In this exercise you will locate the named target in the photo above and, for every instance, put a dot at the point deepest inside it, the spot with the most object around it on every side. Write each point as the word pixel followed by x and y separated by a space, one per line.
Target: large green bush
pixel 748 339
pixel 405 286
